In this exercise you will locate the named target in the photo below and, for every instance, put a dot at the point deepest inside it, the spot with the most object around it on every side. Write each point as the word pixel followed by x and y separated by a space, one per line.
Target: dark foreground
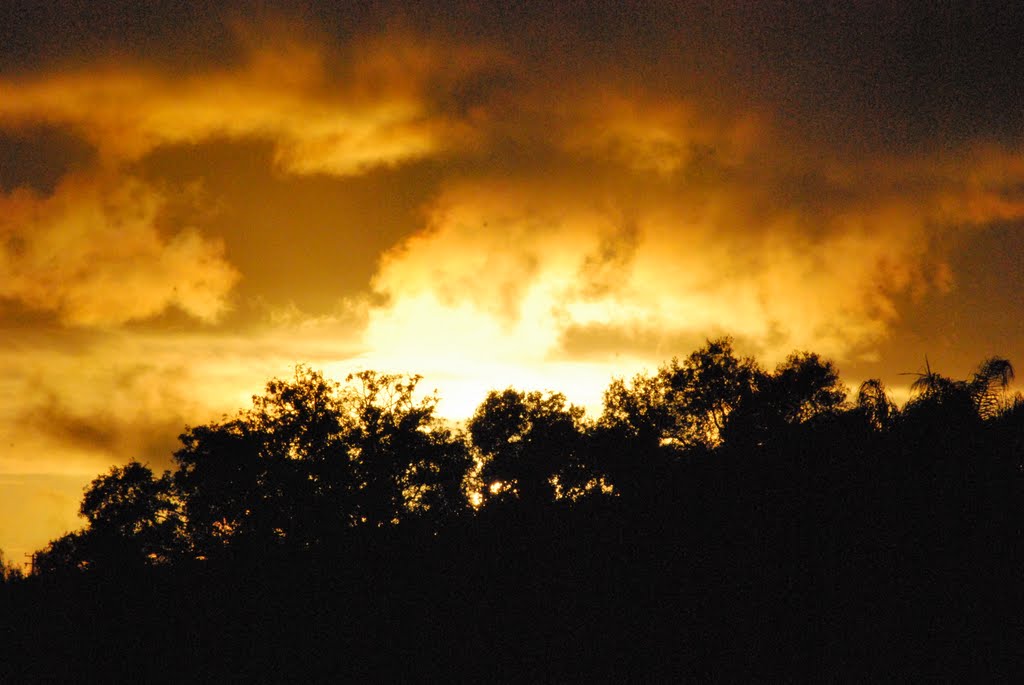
pixel 571 595
pixel 717 522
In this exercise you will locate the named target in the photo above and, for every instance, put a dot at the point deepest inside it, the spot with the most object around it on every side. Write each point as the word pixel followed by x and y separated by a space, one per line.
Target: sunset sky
pixel 544 195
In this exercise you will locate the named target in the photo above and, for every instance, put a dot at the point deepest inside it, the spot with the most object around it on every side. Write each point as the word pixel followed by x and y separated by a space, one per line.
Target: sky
pixel 490 194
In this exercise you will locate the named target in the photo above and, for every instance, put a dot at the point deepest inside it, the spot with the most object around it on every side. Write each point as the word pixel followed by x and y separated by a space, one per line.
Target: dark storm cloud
pixel 38 35
pixel 893 74
pixel 37 157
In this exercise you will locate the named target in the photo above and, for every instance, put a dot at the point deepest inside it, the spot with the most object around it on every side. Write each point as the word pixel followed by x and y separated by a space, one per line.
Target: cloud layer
pixel 529 263
pixel 597 190
pixel 325 113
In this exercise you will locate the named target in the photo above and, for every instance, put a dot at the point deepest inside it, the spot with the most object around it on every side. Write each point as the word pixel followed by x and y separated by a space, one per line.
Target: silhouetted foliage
pixel 529 442
pixel 229 485
pixel 875 406
pixel 130 505
pixel 802 389
pixel 405 461
pixel 628 443
pixel 70 552
pixel 133 519
pixel 716 518
pixel 314 458
pixel 9 571
pixel 988 386
pixel 704 390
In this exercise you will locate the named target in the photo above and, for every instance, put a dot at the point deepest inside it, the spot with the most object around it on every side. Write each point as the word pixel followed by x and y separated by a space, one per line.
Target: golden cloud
pixel 92 253
pixel 337 114
pixel 511 268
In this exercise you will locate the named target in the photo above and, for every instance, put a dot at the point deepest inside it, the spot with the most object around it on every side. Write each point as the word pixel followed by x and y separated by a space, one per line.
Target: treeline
pixel 716 512
pixel 313 459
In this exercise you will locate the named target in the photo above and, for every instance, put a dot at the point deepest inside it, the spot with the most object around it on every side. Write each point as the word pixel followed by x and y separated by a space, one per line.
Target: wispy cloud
pixel 325 113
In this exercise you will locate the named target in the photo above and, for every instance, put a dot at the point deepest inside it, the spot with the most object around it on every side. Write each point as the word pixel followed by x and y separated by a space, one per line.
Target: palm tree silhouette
pixel 985 391
pixel 989 384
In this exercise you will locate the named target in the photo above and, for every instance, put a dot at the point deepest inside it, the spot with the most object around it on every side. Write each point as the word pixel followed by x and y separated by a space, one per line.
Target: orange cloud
pixel 525 269
pixel 336 114
pixel 649 132
pixel 92 253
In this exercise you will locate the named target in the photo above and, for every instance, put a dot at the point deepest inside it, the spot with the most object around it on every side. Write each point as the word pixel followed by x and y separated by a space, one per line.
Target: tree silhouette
pixel 875 406
pixel 628 444
pixel 230 492
pixel 930 386
pixel 639 410
pixel 69 552
pixel 314 458
pixel 133 519
pixel 940 408
pixel 807 386
pixel 9 571
pixel 988 386
pixel 329 526
pixel 528 440
pixel 404 460
pixel 704 390
pixel 129 505
pixel 802 389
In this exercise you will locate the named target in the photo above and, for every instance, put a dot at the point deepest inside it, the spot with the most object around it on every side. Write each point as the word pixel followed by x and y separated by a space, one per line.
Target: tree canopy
pixel 713 507
pixel 313 460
